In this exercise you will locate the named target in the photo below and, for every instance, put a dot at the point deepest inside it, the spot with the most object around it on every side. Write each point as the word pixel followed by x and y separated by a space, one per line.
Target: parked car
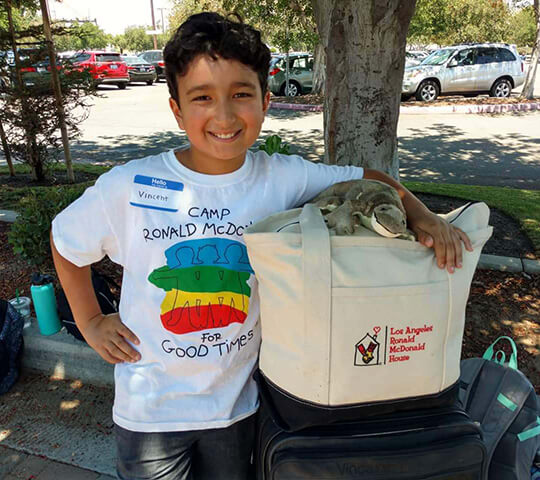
pixel 31 61
pixel 105 67
pixel 411 60
pixel 493 68
pixel 155 57
pixel 300 74
pixel 140 70
pixel 414 57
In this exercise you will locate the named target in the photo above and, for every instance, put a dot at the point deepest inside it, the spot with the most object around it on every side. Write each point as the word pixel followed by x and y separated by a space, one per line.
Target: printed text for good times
pixel 209 342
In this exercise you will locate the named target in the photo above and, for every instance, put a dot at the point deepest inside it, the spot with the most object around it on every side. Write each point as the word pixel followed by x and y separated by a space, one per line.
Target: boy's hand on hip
pixel 107 335
pixel 446 239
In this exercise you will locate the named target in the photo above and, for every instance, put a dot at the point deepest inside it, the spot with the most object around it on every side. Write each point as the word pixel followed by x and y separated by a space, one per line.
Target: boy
pixel 186 338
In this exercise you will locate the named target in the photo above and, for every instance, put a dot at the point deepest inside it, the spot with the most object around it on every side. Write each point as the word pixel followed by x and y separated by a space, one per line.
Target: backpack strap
pixel 513 391
pixel 499 356
pixel 3 312
pixel 470 369
pixel 531 432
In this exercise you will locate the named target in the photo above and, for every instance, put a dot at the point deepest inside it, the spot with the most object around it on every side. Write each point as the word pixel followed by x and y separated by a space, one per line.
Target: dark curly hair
pixel 211 34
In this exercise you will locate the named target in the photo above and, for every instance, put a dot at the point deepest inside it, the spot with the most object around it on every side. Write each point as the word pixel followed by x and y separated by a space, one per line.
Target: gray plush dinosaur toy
pixel 374 204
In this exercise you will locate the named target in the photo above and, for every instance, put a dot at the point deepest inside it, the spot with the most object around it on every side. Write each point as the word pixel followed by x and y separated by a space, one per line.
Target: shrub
pixel 29 235
pixel 273 144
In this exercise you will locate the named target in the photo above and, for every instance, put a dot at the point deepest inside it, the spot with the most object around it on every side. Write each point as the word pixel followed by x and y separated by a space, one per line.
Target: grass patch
pixel 522 205
pixel 12 192
pixel 10 197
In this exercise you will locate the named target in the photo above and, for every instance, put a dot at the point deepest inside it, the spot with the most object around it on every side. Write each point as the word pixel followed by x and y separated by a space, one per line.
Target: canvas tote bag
pixel 358 319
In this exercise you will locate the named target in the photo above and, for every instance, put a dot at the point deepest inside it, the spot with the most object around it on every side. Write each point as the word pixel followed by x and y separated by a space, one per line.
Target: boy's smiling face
pixel 222 110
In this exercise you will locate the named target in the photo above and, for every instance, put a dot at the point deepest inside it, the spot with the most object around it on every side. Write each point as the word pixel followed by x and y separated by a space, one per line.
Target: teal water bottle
pixel 42 291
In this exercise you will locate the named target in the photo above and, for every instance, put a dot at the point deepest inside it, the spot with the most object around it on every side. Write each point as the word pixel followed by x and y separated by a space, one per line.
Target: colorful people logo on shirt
pixel 205 283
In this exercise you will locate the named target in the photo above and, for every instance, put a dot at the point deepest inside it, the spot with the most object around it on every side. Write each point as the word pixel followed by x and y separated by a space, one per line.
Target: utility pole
pixel 162 23
pixel 56 87
pixel 153 24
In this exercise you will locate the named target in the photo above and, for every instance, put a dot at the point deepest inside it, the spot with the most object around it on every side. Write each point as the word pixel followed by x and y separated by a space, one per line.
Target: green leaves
pixel 135 39
pixel 273 144
pixel 447 22
pixel 82 36
pixel 283 23
pixel 29 235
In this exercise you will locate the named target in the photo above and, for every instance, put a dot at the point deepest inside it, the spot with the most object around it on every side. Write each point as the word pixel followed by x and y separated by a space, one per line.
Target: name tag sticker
pixel 156 193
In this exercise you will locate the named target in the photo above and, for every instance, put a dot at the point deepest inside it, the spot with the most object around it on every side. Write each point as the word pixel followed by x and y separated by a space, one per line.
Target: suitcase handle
pixel 499 356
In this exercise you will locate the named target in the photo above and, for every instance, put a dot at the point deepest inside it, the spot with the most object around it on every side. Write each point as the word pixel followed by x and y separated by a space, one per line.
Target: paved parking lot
pixel 485 149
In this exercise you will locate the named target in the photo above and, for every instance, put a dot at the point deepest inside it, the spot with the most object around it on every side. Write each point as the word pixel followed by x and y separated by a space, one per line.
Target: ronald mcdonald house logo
pixel 390 345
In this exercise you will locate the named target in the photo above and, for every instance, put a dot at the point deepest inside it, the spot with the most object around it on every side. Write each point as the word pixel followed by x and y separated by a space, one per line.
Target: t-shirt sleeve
pixel 316 177
pixel 83 232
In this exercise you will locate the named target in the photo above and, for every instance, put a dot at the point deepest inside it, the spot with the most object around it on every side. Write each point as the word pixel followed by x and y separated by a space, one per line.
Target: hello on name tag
pixel 156 193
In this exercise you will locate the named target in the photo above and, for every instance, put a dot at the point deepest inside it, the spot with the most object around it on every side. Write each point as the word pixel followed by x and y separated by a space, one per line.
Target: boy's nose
pixel 224 113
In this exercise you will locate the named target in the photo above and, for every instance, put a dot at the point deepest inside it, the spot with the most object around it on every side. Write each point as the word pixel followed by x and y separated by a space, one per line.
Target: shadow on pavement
pixel 306 143
pixel 121 148
pixel 282 114
pixel 446 153
pixel 441 153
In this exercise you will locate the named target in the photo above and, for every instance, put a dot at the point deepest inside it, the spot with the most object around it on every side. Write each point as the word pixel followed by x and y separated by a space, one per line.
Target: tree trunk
pixel 38 173
pixel 365 56
pixel 319 69
pixel 7 153
pixel 528 86
pixel 30 139
pixel 57 89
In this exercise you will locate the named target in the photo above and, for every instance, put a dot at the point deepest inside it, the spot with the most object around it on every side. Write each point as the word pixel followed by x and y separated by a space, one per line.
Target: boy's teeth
pixel 225 135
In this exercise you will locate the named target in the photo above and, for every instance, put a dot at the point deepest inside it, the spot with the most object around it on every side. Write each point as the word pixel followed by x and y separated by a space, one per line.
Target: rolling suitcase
pixel 436 444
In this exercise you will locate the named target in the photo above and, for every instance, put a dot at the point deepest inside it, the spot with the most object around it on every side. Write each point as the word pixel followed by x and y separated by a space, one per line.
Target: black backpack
pixel 11 345
pixel 107 302
pixel 502 400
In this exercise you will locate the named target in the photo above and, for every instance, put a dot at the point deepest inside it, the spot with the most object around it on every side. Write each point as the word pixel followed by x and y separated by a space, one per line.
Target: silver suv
pixel 300 74
pixel 494 68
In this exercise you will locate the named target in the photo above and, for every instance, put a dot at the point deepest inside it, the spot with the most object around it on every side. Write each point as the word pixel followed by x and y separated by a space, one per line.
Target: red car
pixel 105 67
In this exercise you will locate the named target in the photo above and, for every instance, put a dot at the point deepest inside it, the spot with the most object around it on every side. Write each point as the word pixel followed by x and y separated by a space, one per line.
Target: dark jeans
pixel 217 454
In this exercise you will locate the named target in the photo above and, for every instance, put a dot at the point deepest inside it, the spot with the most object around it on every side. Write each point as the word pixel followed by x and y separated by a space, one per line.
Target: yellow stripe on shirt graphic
pixel 179 298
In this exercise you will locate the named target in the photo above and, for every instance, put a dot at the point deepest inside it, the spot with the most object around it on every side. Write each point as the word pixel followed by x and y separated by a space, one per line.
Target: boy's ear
pixel 175 108
pixel 266 101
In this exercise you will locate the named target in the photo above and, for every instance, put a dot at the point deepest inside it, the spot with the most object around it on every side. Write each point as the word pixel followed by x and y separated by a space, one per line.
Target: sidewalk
pixel 15 465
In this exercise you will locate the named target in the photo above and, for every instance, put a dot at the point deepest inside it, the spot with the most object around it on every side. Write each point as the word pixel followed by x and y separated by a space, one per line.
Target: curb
pixel 501 108
pixel 296 106
pixel 62 356
pixel 8 216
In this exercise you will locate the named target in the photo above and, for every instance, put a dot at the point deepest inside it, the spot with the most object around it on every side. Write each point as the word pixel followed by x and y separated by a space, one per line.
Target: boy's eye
pixel 201 98
pixel 242 94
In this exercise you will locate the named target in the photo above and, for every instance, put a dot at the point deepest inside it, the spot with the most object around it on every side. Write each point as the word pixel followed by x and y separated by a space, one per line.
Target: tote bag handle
pixel 317 288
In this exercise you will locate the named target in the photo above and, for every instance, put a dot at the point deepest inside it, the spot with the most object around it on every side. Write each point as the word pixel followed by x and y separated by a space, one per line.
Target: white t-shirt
pixel 188 290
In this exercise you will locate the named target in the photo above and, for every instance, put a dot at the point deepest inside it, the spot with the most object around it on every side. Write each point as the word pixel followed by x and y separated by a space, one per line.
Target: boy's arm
pixel 430 229
pixel 106 334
